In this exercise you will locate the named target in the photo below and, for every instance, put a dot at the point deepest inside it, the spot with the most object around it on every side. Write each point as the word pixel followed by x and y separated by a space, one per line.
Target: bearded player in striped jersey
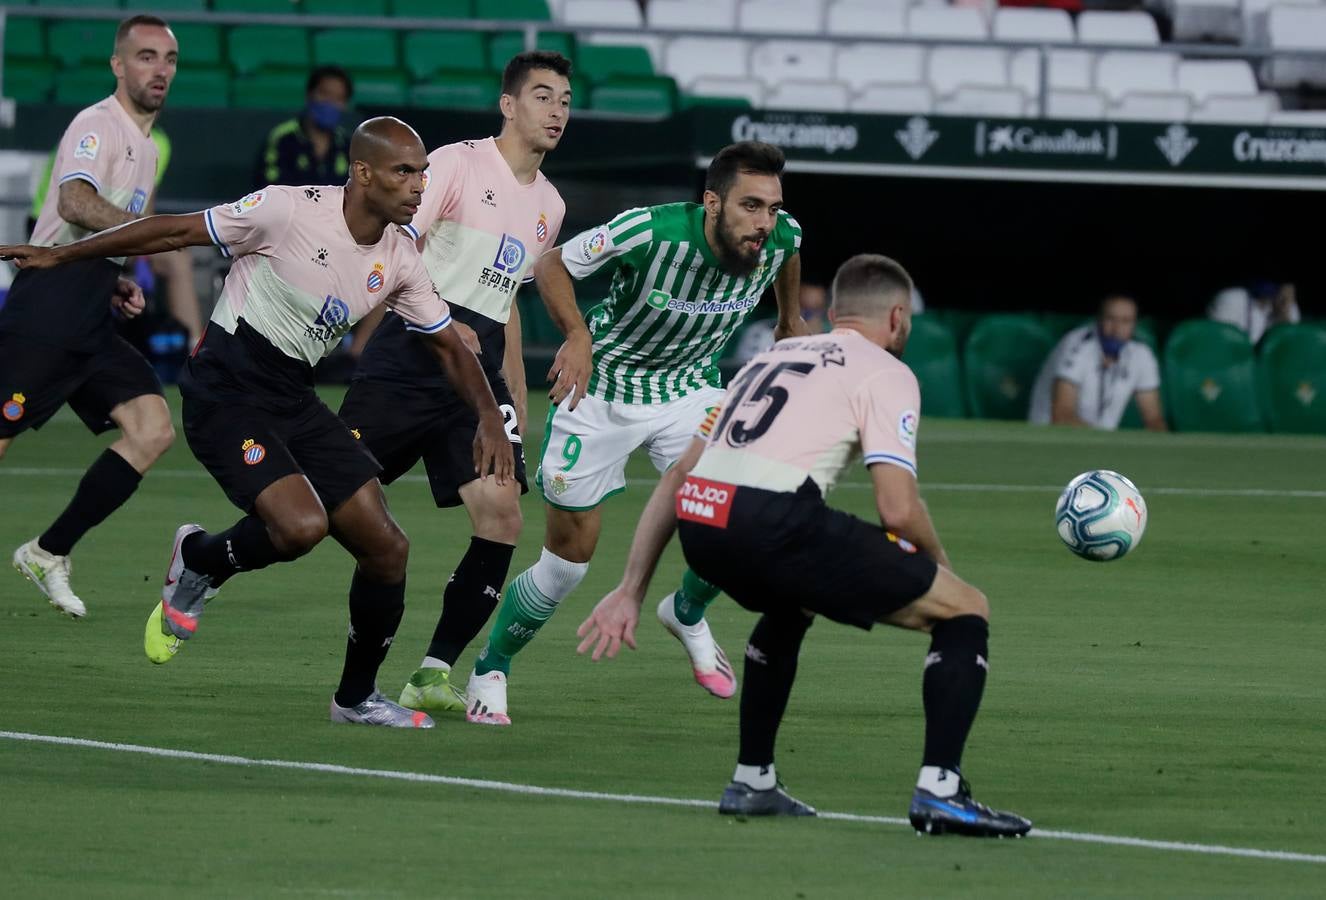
pixel 684 278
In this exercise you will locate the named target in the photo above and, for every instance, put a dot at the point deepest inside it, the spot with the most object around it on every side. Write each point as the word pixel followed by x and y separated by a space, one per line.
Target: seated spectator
pixel 1255 308
pixel 1095 369
pixel 312 148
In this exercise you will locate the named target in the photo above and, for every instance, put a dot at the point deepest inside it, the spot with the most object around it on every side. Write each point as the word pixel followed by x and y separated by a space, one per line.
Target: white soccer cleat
pixel 708 661
pixel 487 699
pixel 50 573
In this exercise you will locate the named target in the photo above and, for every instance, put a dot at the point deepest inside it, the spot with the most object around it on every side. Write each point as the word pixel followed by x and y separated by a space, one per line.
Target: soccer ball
pixel 1100 515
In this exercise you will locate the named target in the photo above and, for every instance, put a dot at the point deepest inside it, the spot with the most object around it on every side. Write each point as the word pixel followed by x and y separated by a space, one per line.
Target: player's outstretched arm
pixel 492 448
pixel 787 291
pixel 155 234
pixel 903 512
pixel 614 619
pixel 570 369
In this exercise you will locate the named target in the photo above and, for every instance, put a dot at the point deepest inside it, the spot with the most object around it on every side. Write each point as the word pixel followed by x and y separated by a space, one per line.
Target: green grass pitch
pixel 1176 695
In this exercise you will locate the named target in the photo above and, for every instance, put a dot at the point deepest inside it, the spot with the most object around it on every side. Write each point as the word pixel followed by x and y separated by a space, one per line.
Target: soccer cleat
pixel 960 814
pixel 431 689
pixel 743 800
pixel 50 573
pixel 486 696
pixel 183 596
pixel 708 661
pixel 378 710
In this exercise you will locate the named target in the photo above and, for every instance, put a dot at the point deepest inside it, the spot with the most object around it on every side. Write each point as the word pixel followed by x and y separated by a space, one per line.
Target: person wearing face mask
pixel 311 148
pixel 1095 369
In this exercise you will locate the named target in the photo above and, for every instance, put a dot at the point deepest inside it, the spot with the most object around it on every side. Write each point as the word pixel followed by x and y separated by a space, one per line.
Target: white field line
pixel 974 487
pixel 643 799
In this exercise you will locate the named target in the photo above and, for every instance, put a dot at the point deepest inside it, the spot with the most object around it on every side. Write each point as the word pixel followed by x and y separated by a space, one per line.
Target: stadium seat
pixel 81 4
pixel 345 7
pixel 1004 353
pixel 200 44
pixel 816 96
pixel 507 44
pixel 29 80
pixel 866 19
pixel 380 87
pixel 1101 27
pixel 1065 104
pixel 1206 20
pixel 458 90
pixel 653 44
pixel 253 47
pixel 427 52
pixel 1060 323
pixel 512 9
pixel 860 65
pixel 165 7
pixel 1255 15
pixel 1296 28
pixel 269 7
pixel 24 39
pixel 1151 106
pixel 932 355
pixel 1257 109
pixel 748 89
pixel 1210 378
pixel 983 100
pixel 84 85
pixel 949 68
pixel 687 59
pixel 200 87
pixel 1291 370
pixel 356 48
pixel 1301 118
pixel 717 14
pixel 780 17
pixel 72 42
pixel 956 22
pixel 1070 70
pixel 602 13
pixel 893 98
pixel 1202 78
pixel 776 61
pixel 432 9
pixel 1049 25
pixel 598 61
pixel 655 96
pixel 1122 72
pixel 281 89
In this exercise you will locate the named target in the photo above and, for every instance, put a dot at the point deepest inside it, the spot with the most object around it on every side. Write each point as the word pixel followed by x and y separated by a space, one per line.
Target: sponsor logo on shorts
pixel 903 544
pixel 559 485
pixel 541 229
pixel 13 408
pixel 376 278
pixel 254 452
pixel 357 435
pixel 704 501
pixel 248 202
pixel 87 147
pixel 138 201
pixel 907 428
pixel 510 255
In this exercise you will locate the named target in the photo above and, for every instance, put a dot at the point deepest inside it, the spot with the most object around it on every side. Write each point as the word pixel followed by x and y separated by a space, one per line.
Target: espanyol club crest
pixel 376 278
pixel 541 229
pixel 13 408
pixel 254 452
pixel 510 256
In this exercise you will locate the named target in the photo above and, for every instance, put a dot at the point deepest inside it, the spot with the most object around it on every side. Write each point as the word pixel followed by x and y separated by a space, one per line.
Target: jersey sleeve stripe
pixel 82 176
pixel 632 218
pixel 212 233
pixel 890 459
pixel 634 241
pixel 429 329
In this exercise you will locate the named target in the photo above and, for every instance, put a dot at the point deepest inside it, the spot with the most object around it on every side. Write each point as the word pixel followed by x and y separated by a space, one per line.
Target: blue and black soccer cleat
pixel 960 814
pixel 743 800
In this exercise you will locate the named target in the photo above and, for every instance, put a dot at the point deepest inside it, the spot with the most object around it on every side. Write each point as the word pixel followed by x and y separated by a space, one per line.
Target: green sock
pixel 524 610
pixel 693 598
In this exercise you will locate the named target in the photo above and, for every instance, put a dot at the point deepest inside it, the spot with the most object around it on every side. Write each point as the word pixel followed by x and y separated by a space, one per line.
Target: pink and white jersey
pixel 106 148
pixel 806 408
pixel 483 230
pixel 300 279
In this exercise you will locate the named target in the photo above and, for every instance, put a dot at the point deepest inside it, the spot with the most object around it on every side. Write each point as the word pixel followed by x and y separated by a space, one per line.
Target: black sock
pixel 470 597
pixel 104 488
pixel 951 687
pixel 242 547
pixel 375 613
pixel 767 676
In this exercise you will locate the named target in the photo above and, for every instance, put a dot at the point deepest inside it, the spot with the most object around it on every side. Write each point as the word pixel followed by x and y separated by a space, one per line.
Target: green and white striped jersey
pixel 671 308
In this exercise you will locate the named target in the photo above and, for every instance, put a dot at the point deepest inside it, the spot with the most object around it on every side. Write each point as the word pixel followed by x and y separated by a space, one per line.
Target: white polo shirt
pixel 1102 391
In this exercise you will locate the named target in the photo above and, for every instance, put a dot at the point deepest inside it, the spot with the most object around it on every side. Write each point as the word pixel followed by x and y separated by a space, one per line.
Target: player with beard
pixel 57 340
pixel 684 277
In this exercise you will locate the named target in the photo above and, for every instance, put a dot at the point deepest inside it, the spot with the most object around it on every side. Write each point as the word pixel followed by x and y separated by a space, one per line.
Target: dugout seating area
pixel 643 71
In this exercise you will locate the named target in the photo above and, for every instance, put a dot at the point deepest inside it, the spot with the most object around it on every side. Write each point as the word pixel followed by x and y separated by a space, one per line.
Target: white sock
pixel 432 662
pixel 761 778
pixel 939 781
pixel 555 577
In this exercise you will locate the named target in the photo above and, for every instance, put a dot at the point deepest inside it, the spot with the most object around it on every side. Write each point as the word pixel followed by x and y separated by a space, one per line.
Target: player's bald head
pixel 869 285
pixel 381 140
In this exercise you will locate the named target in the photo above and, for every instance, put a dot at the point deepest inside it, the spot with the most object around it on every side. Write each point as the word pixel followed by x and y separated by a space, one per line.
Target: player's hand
pixel 797 327
pixel 467 336
pixel 611 624
pixel 570 370
pixel 492 449
pixel 128 299
pixel 26 256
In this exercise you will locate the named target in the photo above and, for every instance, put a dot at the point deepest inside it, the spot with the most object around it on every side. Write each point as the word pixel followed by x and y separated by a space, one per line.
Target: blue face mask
pixel 1112 346
pixel 325 115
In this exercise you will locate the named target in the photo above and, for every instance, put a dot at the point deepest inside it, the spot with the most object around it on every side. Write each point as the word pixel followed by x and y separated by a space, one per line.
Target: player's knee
pixel 502 524
pixel 156 439
pixel 973 602
pixel 299 532
pixel 391 557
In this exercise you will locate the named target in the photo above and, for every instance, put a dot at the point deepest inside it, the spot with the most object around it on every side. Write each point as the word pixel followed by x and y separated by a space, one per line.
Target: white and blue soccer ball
pixel 1100 515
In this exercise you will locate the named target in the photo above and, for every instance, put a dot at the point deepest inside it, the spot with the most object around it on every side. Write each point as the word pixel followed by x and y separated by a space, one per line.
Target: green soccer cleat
pixel 159 642
pixel 431 689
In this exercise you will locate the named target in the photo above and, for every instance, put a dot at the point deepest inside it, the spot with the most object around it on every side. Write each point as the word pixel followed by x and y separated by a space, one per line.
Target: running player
pixel 488 213
pixel 57 340
pixel 310 262
pixel 685 275
pixel 752 518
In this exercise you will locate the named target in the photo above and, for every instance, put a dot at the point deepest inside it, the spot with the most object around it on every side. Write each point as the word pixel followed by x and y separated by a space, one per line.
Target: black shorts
pixel 36 379
pixel 782 552
pixel 247 448
pixel 402 424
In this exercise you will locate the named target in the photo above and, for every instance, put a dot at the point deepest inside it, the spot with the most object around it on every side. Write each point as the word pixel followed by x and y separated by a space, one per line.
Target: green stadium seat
pixel 200 44
pixel 458 90
pixel 603 61
pixel 1060 324
pixel 1209 378
pixel 1004 353
pixel 694 101
pixel 24 39
pixel 163 7
pixel 72 43
pixel 932 354
pixel 29 80
pixel 253 47
pixel 433 9
pixel 84 85
pixel 961 321
pixel 264 7
pixel 81 4
pixel 200 87
pixel 512 9
pixel 428 52
pixel 634 96
pixel 356 48
pixel 1291 368
pixel 507 44
pixel 273 89
pixel 380 88
pixel 345 7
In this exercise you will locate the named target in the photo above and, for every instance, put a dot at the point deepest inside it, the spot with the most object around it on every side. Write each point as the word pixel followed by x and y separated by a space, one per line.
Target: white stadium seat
pixel 1119 72
pixel 776 61
pixel 1146 106
pixel 1255 16
pixel 1070 104
pixel 709 14
pixel 1296 28
pixel 1207 20
pixel 780 16
pixel 1070 70
pixel 1300 118
pixel 1017 24
pixel 1094 27
pixel 983 101
pixel 954 22
pixel 1255 109
pixel 819 96
pixel 687 59
pixel 1205 77
pixel 862 64
pixel 864 19
pixel 748 89
pixel 950 68
pixel 893 98
pixel 625 13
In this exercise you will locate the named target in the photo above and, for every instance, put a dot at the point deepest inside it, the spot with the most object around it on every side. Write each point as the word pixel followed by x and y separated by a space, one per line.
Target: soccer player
pixel 309 263
pixel 684 277
pixel 57 340
pixel 487 214
pixel 752 519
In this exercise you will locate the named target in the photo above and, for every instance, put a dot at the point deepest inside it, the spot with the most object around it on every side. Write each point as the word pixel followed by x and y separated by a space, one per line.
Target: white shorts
pixel 585 449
